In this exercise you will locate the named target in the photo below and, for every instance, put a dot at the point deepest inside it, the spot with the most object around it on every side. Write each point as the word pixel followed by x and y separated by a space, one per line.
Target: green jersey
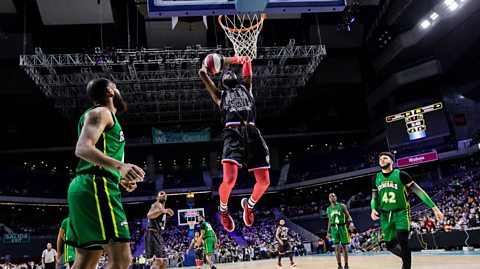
pixel 205 226
pixel 111 143
pixel 392 193
pixel 336 214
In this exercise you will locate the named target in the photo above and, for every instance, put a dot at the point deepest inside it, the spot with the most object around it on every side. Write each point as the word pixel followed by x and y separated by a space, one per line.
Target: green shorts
pixel 339 234
pixel 96 213
pixel 392 221
pixel 68 254
pixel 209 243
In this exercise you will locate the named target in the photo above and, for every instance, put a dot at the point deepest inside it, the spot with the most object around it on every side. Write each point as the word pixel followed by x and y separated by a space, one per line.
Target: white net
pixel 243 31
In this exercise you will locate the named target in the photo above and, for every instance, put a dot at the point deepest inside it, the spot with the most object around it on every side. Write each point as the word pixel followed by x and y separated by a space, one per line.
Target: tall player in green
pixel 68 251
pixel 97 219
pixel 209 239
pixel 338 217
pixel 389 194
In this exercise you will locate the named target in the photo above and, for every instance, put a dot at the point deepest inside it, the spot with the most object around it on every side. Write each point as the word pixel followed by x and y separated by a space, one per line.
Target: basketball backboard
pixel 187 8
pixel 186 215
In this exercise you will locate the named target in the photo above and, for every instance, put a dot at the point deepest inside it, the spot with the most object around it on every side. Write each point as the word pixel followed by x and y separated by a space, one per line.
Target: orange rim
pixel 263 17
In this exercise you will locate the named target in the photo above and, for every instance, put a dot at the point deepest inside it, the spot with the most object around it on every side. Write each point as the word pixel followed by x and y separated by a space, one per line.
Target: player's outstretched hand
pixel 128 185
pixel 169 212
pixel 328 237
pixel 351 226
pixel 438 213
pixel 131 172
pixel 374 215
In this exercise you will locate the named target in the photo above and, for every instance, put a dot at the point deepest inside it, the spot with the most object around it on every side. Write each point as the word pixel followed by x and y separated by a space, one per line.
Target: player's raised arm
pixel 212 89
pixel 247 71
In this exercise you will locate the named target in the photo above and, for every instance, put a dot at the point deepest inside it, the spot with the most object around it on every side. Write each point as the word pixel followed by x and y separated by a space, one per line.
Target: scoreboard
pixel 417 124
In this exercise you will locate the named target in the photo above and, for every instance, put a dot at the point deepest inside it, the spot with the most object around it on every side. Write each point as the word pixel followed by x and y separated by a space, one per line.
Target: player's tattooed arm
pixel 212 89
pixel 202 234
pixel 157 209
pixel 95 122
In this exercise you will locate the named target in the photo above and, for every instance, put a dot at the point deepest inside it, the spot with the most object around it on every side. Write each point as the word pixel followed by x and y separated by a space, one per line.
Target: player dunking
pixel 97 219
pixel 68 251
pixel 338 217
pixel 157 218
pixel 242 141
pixel 209 239
pixel 284 247
pixel 197 245
pixel 389 192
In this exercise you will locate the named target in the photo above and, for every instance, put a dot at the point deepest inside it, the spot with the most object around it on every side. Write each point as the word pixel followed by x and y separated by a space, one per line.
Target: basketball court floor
pixel 447 260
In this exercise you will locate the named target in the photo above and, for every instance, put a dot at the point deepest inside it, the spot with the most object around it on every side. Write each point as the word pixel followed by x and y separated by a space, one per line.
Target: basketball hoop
pixel 243 31
pixel 191 224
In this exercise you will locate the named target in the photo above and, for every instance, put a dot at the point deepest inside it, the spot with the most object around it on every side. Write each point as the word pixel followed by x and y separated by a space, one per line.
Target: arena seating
pixel 186 177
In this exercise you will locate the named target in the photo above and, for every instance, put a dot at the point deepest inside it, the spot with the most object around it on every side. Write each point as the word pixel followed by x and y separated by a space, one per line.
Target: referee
pixel 48 257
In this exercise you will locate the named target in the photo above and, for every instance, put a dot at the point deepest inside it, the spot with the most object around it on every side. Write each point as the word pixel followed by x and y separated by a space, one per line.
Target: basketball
pixel 214 63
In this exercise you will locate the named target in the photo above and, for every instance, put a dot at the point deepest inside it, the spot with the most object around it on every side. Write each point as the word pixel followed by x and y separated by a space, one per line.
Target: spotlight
pixel 451 4
pixel 433 16
pixel 425 24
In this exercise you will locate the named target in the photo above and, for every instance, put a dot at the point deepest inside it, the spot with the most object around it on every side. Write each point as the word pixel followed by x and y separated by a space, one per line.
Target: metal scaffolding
pixel 163 85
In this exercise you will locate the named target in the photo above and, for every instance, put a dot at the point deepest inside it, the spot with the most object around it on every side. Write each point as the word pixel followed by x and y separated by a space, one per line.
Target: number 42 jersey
pixel 392 189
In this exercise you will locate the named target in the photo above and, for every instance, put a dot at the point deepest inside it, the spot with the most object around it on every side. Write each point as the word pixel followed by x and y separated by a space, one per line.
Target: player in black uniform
pixel 157 218
pixel 242 142
pixel 197 244
pixel 284 247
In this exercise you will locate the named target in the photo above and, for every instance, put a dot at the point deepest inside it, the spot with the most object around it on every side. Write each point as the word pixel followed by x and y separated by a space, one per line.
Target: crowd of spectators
pixel 475 138
pixel 459 200
pixel 309 208
pixel 257 242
